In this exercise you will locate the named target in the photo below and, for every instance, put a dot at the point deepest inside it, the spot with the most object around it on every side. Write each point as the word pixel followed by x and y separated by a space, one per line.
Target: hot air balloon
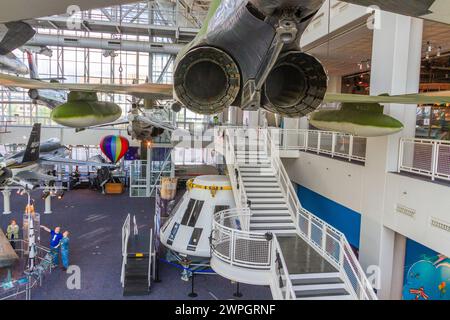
pixel 114 147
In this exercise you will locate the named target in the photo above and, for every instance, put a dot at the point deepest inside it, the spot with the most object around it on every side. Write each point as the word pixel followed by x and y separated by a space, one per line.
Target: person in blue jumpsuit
pixel 65 250
pixel 55 238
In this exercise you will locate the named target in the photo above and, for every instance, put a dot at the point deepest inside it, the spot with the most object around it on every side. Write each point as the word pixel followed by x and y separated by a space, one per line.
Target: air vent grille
pixel 440 224
pixel 405 210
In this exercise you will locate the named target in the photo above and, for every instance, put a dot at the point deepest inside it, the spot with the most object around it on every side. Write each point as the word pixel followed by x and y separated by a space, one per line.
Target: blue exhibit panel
pixel 427 273
pixel 342 218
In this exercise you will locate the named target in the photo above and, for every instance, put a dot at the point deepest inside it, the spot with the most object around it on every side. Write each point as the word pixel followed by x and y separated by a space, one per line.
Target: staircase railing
pixel 126 230
pixel 284 286
pixel 328 241
pixel 234 171
pixel 280 172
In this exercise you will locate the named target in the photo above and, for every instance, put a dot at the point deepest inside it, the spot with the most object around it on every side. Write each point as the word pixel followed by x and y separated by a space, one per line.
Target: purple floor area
pixel 95 222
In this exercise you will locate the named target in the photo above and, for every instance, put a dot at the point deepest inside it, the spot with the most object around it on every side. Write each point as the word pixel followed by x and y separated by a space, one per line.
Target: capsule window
pixel 192 212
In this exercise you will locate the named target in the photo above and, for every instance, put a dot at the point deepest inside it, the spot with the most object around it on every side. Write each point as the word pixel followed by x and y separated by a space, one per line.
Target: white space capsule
pixel 188 229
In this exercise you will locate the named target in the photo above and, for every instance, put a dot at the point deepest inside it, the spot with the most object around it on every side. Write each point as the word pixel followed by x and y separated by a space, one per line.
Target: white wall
pixel 341 14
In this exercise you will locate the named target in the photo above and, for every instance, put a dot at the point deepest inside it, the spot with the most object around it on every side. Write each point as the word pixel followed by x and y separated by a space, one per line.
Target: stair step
pixel 321 293
pixel 262 189
pixel 279 233
pixel 280 206
pixel 332 297
pixel 271 219
pixel 322 275
pixel 257 169
pixel 259 179
pixel 254 195
pixel 319 287
pixel 316 281
pixel 272 226
pixel 270 213
pixel 271 200
pixel 268 174
pixel 259 184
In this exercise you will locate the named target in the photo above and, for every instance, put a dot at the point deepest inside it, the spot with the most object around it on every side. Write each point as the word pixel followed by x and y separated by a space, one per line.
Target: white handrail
pixel 278 260
pixel 150 257
pixel 125 236
pixel 226 237
pixel 320 142
pixel 234 170
pixel 425 157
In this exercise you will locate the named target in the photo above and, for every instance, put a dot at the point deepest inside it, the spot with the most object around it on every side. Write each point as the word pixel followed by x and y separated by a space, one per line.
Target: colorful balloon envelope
pixel 114 147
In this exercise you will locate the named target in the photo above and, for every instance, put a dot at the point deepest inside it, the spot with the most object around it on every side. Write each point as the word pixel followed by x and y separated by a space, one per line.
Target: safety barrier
pixel 425 157
pixel 126 230
pixel 333 245
pixel 281 274
pixel 334 144
pixel 235 245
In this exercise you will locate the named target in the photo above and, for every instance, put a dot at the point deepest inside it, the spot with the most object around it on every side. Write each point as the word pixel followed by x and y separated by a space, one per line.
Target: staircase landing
pixel 301 258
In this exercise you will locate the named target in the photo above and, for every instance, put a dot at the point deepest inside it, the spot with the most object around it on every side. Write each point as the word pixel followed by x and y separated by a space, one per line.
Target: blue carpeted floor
pixel 95 222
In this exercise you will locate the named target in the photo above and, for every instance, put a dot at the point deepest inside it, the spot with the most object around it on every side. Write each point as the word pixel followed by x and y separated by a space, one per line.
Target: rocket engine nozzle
pixel 295 86
pixel 207 80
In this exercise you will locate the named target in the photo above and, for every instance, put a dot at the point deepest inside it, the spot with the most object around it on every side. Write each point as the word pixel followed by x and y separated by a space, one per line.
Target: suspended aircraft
pixel 12 36
pixel 28 168
pixel 248 53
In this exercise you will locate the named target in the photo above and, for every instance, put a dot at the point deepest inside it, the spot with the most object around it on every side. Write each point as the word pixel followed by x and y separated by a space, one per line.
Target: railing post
pixel 319 138
pixel 306 139
pixel 400 155
pixel 333 144
pixel 350 149
pixel 309 226
pixel 435 159
pixel 324 238
pixel 232 247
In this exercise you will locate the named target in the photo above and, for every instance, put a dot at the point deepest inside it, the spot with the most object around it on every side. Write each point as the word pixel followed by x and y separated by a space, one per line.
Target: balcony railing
pixel 334 144
pixel 232 243
pixel 430 158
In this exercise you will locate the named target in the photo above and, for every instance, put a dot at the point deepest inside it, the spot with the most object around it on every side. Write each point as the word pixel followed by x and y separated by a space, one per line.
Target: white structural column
pixel 48 204
pixel 395 70
pixel 6 200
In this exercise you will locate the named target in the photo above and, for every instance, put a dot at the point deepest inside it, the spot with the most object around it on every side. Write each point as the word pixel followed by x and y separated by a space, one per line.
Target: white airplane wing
pixel 32 176
pixel 442 97
pixel 13 10
pixel 154 91
pixel 60 160
pixel 153 122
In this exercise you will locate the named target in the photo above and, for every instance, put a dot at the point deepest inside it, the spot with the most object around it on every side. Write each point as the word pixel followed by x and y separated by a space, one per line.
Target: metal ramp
pixel 278 242
pixel 138 259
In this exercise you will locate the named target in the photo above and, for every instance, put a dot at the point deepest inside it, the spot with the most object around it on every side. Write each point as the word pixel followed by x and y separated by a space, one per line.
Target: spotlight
pixel 429 47
pixel 60 195
pixel 439 51
pixel 22 192
pixel 45 195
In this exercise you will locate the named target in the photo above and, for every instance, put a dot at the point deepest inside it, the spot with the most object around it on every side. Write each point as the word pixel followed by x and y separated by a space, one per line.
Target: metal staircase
pixel 277 242
pixel 266 201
